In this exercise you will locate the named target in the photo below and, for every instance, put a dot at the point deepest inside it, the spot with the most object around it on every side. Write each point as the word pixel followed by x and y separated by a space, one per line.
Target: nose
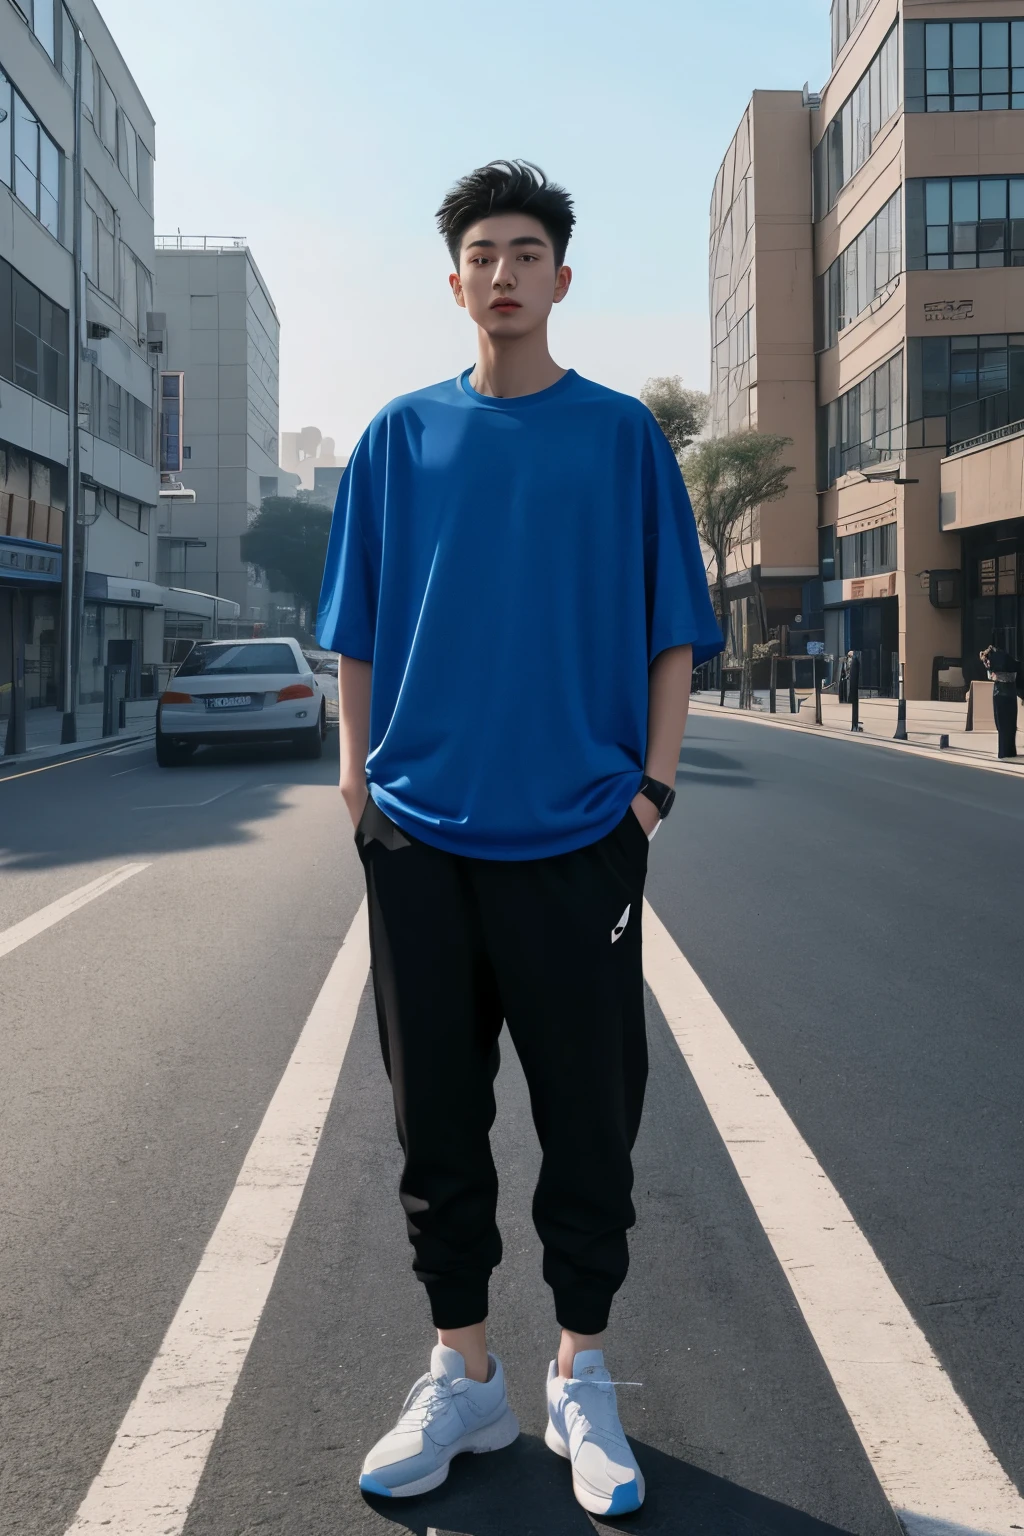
pixel 504 278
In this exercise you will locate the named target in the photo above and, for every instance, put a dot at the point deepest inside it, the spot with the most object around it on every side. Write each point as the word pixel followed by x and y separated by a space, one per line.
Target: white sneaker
pixel 444 1415
pixel 583 1426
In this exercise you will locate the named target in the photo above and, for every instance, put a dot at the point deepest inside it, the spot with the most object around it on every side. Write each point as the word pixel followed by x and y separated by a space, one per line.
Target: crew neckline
pixel 513 402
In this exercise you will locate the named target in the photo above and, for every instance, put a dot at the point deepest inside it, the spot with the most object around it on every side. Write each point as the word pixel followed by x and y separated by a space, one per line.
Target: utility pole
pixel 73 557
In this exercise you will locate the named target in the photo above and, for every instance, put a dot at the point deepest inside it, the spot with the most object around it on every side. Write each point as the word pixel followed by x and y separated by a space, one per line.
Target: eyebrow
pixel 519 240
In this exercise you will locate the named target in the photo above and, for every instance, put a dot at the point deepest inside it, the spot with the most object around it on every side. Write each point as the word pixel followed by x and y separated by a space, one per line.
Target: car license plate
pixel 230 701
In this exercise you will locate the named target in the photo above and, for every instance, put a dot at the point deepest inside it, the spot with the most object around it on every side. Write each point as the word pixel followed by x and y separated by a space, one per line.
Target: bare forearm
pixel 667 708
pixel 354 680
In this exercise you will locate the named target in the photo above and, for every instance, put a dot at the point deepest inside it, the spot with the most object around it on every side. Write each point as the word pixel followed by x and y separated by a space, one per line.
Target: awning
pixel 123 589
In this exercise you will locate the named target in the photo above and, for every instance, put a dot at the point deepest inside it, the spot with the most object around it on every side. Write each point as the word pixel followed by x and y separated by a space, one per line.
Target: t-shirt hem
pixel 521 852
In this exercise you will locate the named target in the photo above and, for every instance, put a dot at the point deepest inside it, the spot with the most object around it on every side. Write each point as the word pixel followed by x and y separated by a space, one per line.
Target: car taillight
pixel 175 698
pixel 295 691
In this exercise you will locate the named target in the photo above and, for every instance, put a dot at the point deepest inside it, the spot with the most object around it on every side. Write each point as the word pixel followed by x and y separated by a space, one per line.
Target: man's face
pixel 507 278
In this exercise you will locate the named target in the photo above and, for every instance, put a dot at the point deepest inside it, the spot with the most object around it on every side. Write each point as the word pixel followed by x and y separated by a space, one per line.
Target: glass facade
pixel 973 383
pixel 864 426
pixel 110 412
pixel 30 161
pixel 964 66
pixel 33 339
pixel 965 221
pixel 845 16
pixel 172 404
pixel 870 553
pixel 732 288
pixel 859 274
pixel 848 139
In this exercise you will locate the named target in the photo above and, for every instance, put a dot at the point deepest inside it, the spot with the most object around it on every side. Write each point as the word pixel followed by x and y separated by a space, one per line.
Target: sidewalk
pixel 926 722
pixel 42 730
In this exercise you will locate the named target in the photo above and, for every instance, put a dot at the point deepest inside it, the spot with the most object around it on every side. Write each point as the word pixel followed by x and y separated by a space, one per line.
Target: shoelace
pixel 580 1416
pixel 430 1396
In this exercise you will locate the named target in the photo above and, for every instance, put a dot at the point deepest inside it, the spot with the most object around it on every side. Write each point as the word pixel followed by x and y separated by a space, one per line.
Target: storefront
pixel 29 626
pixel 115 611
pixel 994 591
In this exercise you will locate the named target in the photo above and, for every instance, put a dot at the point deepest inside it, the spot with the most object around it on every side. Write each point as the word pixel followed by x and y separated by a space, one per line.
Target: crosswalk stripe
pixel 149 1479
pixel 63 907
pixel 931 1459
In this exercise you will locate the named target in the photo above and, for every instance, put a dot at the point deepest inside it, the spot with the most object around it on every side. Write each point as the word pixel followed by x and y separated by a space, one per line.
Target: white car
pixel 325 666
pixel 232 691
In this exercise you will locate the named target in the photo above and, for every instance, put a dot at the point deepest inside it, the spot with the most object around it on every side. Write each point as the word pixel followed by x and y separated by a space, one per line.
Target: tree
pixel 288 541
pixel 679 412
pixel 727 478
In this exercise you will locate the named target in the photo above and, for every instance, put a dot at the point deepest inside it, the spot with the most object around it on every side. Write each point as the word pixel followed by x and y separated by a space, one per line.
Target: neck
pixel 522 366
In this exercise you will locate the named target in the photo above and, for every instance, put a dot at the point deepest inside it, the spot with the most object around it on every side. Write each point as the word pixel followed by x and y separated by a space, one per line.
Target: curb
pixel 920 749
pixel 55 757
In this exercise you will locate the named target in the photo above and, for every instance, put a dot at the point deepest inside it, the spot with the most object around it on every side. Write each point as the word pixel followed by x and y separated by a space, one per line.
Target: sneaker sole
pixel 626 1500
pixel 493 1437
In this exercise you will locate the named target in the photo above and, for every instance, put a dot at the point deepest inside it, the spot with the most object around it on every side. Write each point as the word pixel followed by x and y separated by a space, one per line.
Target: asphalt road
pixel 855 914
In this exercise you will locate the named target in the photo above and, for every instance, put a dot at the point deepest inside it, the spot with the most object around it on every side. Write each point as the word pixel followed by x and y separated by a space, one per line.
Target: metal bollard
pixel 772 684
pixel 817 692
pixel 901 711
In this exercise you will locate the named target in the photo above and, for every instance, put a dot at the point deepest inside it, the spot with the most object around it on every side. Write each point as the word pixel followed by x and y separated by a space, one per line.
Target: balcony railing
pixel 1010 430
pixel 201 242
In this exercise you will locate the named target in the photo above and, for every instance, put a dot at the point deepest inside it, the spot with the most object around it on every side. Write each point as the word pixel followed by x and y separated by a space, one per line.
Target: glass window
pixel 6 126
pixel 861 272
pixel 49 184
pixel 238 660
pixel 129 287
pixel 43 26
pixel 850 134
pixel 88 82
pixel 26 155
pixel 108 116
pixel 967 65
pixel 67 47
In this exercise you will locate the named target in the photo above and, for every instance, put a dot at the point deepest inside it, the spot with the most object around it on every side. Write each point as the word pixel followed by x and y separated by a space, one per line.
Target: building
pixel 218 429
pixel 115 406
pixel 914 154
pixel 762 358
pixel 305 453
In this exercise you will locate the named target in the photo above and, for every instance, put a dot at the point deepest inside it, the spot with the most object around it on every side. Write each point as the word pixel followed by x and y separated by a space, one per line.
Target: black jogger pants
pixel 551 946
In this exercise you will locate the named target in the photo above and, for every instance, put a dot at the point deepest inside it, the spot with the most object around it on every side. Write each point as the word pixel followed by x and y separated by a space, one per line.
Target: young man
pixel 515 589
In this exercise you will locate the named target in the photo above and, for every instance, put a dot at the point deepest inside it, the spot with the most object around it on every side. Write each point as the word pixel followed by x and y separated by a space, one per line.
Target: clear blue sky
pixel 327 131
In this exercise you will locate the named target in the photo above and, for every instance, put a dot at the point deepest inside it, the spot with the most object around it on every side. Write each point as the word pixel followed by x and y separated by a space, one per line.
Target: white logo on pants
pixel 620 926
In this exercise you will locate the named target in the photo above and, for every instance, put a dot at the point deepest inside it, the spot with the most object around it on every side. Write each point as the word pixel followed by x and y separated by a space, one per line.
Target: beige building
pixel 913 159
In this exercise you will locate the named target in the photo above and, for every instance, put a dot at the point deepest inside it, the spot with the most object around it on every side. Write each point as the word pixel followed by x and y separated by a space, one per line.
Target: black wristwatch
pixel 661 795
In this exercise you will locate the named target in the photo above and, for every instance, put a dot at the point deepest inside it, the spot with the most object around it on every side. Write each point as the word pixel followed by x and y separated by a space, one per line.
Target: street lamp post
pixel 73 557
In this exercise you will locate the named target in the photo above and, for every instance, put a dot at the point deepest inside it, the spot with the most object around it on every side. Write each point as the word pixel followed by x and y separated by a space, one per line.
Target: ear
pixel 456 286
pixel 563 277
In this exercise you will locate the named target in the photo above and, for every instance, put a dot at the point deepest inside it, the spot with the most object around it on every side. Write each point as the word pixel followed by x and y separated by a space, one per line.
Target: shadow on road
pixel 527 1492
pixel 122 806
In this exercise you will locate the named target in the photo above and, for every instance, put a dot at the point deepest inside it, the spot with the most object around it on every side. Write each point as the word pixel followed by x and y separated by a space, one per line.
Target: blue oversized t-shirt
pixel 511 567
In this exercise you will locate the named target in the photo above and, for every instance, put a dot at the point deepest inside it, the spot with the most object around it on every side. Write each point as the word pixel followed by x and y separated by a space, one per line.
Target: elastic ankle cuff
pixel 457 1306
pixel 582 1311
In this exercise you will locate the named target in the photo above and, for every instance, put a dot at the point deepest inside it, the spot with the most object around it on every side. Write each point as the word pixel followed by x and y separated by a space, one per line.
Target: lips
pixel 505 304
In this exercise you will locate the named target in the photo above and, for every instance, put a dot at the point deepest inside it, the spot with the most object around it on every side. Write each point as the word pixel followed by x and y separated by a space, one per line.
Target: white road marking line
pixel 121 772
pixel 187 805
pixel 150 1477
pixel 928 1454
pixel 57 910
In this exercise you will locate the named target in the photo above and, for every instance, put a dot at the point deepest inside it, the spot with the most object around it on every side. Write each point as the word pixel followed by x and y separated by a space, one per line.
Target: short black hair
pixel 506 186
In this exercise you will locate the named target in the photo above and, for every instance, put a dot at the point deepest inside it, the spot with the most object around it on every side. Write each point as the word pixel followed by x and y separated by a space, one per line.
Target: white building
pixel 218 430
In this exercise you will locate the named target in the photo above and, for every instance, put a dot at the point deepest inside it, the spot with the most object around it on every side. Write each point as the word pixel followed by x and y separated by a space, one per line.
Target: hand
pixel 355 796
pixel 646 813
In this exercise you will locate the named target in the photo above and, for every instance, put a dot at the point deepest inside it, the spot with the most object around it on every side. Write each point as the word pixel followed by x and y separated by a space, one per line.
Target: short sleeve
pixel 347 615
pixel 679 610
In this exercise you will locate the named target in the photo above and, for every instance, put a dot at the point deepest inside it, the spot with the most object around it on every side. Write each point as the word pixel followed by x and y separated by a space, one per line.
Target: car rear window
pixel 237 660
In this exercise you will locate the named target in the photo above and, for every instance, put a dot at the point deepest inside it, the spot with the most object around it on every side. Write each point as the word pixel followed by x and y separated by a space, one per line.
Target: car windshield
pixel 237 660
